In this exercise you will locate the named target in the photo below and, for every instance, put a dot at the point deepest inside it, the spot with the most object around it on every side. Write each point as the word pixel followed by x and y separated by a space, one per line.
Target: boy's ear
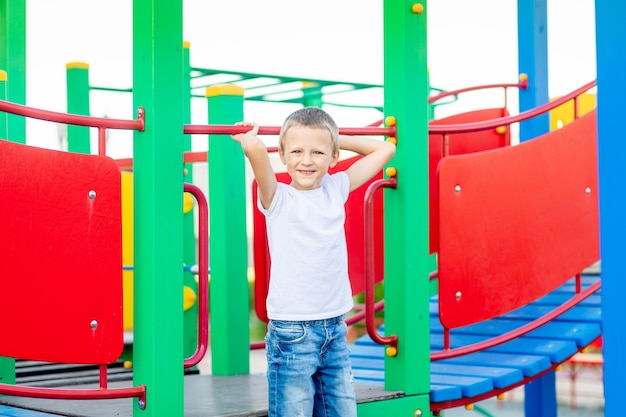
pixel 333 163
pixel 281 153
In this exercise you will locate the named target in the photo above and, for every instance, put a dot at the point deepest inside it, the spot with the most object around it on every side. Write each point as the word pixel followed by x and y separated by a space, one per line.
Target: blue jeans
pixel 309 371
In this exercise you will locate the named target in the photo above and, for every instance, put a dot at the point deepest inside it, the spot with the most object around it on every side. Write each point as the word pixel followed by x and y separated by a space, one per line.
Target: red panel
pixel 523 222
pixel 355 238
pixel 457 144
pixel 60 256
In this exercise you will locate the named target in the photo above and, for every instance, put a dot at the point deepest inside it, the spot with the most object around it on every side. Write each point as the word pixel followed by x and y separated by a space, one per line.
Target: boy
pixel 309 372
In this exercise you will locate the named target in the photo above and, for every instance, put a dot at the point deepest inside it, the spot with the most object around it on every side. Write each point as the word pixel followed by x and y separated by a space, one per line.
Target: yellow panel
pixel 127 246
pixel 564 114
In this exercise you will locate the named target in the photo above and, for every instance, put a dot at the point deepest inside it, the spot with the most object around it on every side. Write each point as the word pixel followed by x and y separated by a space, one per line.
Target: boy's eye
pixel 318 153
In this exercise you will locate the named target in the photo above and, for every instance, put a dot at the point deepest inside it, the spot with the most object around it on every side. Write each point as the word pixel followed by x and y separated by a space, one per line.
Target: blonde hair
pixel 312 117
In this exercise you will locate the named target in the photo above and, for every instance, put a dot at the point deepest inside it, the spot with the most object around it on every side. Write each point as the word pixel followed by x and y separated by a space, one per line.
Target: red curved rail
pixel 76 394
pixel 522 85
pixel 101 123
pixel 203 275
pixel 508 120
pixel 520 331
pixel 370 324
pixel 74 119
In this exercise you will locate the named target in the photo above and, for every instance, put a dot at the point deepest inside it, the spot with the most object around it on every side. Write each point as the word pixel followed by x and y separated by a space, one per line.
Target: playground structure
pixel 406 318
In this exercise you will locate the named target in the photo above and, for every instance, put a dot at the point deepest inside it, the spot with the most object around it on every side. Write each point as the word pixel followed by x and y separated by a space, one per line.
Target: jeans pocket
pixel 287 333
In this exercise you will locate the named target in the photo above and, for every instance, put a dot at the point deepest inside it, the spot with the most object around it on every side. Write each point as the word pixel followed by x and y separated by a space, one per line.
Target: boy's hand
pixel 250 134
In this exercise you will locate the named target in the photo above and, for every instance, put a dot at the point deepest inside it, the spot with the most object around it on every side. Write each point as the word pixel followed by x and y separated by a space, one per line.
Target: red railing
pixel 275 130
pixel 523 84
pixel 101 123
pixel 370 280
pixel 203 275
pixel 509 120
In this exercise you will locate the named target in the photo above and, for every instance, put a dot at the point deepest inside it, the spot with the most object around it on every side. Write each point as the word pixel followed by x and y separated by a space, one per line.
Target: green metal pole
pixel 189 238
pixel 312 94
pixel 230 320
pixel 158 158
pixel 13 61
pixel 77 75
pixel 407 262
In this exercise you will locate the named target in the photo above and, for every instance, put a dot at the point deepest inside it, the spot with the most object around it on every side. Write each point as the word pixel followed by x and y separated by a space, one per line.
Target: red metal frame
pixel 370 250
pixel 203 275
pixel 275 130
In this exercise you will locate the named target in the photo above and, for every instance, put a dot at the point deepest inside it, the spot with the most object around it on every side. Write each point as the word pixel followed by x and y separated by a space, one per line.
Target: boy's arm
pixel 376 153
pixel 256 152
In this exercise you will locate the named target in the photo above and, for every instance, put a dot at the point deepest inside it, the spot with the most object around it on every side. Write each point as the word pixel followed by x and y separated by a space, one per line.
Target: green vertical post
pixel 77 75
pixel 158 189
pixel 13 61
pixel 311 94
pixel 189 238
pixel 230 321
pixel 407 262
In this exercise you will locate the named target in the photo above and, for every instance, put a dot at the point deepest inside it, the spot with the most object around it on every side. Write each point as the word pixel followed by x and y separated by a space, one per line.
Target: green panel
pixel 406 208
pixel 77 75
pixel 230 327
pixel 13 61
pixel 158 152
pixel 413 406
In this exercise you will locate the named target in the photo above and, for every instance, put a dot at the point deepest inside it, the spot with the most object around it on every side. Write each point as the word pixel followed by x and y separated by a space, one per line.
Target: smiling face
pixel 308 154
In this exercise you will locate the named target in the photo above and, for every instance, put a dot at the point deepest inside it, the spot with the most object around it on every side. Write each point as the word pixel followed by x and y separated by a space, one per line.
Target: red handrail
pixel 101 123
pixel 508 120
pixel 275 130
pixel 370 324
pixel 203 275
pixel 523 84
pixel 520 331
pixel 74 119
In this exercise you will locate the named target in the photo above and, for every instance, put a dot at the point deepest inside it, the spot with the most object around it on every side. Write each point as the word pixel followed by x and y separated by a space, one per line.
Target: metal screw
pixel 92 194
pixel 93 324
pixel 588 190
pixel 141 404
pixel 458 295
pixel 457 189
pixel 418 413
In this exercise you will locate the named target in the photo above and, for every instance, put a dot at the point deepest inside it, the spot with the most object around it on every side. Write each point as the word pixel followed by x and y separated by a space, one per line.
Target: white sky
pixel 469 43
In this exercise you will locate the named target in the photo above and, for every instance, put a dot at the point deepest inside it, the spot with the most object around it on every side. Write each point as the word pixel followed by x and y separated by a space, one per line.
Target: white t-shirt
pixel 307 241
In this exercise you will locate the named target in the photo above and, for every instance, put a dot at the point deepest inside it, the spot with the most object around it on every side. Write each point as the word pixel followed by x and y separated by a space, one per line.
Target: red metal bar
pixel 275 130
pixel 102 141
pixel 391 340
pixel 74 119
pixel 508 120
pixel 578 283
pixel 520 331
pixel 203 278
pixel 74 394
pixel 103 376
pixel 437 97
